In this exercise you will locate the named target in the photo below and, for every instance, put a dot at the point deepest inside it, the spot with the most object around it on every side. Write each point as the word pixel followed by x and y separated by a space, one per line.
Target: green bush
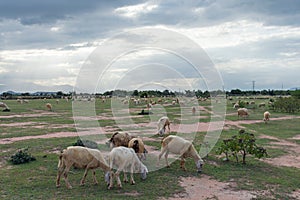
pixel 22 156
pixel 86 143
pixel 244 144
pixel 289 105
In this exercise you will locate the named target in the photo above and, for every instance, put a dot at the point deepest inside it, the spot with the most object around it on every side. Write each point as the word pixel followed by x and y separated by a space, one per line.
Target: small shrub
pixel 244 144
pixel 289 105
pixel 22 156
pixel 86 143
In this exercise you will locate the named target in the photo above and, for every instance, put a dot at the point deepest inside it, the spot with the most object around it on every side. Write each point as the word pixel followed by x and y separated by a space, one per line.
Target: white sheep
pixel 125 159
pixel 162 123
pixel 49 106
pixel 3 105
pixel 242 112
pixel 266 116
pixel 83 158
pixel 236 106
pixel 177 145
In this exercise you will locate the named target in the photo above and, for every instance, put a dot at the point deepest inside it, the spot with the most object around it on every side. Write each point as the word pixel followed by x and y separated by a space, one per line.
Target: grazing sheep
pixel 243 112
pixel 125 159
pixel 236 106
pixel 3 105
pixel 119 139
pixel 127 140
pixel 193 110
pixel 177 145
pixel 138 146
pixel 49 106
pixel 161 125
pixel 83 158
pixel 57 101
pixel 261 105
pixel 266 116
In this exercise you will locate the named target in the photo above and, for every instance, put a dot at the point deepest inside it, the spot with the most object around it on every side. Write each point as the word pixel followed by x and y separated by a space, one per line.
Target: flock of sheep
pixel 126 155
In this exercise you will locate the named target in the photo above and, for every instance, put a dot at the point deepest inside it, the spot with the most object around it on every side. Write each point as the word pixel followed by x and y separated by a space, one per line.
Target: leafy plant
pixel 22 156
pixel 244 144
pixel 86 143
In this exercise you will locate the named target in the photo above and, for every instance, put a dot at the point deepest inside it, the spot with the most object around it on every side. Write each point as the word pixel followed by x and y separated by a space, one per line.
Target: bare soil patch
pixel 207 188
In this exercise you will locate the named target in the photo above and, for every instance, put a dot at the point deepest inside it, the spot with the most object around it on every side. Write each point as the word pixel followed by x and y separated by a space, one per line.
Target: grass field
pixel 36 180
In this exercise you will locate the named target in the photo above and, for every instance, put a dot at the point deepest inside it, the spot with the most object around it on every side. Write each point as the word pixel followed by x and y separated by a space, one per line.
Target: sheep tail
pixel 60 161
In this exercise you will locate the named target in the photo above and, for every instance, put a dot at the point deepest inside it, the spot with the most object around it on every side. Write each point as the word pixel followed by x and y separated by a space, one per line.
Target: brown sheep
pixel 138 146
pixel 83 158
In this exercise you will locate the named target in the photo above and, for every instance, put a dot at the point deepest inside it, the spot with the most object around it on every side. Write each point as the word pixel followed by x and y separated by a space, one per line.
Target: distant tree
pixel 135 93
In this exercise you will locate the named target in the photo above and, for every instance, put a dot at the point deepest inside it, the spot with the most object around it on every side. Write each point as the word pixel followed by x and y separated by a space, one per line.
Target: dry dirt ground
pixel 195 188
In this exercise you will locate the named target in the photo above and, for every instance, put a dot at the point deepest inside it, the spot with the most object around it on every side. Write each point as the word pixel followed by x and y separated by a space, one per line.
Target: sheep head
pixel 144 172
pixel 107 178
pixel 199 165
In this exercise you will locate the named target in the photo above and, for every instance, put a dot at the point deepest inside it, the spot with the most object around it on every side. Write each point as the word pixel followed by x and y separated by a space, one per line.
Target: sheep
pixel 83 158
pixel 125 159
pixel 236 105
pixel 3 105
pixel 49 106
pixel 243 112
pixel 193 110
pixel 161 125
pixel 119 139
pixel 184 148
pixel 261 105
pixel 127 140
pixel 138 146
pixel 57 101
pixel 266 116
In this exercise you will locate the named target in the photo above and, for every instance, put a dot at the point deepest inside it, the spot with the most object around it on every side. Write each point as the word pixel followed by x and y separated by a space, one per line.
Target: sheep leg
pixel 166 158
pixel 67 169
pixel 125 179
pixel 163 150
pixel 182 164
pixel 121 168
pixel 59 173
pixel 132 182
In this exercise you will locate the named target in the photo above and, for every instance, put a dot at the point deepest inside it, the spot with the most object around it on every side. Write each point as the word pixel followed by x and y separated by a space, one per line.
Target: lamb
pixel 125 159
pixel 184 148
pixel 266 116
pixel 261 105
pixel 243 112
pixel 83 158
pixel 161 125
pixel 49 106
pixel 3 105
pixel 138 146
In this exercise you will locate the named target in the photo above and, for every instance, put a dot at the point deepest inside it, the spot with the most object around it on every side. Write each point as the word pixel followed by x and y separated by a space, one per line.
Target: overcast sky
pixel 45 44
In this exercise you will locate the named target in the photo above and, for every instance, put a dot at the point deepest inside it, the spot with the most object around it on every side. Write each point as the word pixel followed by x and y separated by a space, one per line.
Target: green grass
pixel 36 180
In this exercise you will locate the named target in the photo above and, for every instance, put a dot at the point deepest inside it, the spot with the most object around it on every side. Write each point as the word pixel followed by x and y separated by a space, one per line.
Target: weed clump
pixel 22 156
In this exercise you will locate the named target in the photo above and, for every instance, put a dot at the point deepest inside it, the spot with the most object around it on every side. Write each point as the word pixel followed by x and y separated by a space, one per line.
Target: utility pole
pixel 253 86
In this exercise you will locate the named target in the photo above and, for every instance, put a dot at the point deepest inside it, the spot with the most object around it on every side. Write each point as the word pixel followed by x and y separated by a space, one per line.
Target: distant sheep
pixel 242 112
pixel 82 158
pixel 261 105
pixel 184 148
pixel 49 106
pixel 236 106
pixel 193 110
pixel 162 123
pixel 266 116
pixel 125 159
pixel 3 105
pixel 57 101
